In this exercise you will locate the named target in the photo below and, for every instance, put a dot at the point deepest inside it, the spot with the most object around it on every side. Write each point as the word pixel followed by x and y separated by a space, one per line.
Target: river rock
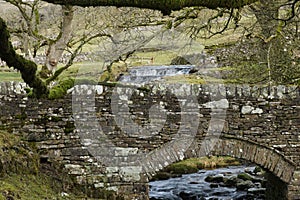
pixel 257 169
pixel 245 176
pixel 187 196
pixel 214 185
pixel 215 179
pixel 230 181
pixel 245 197
pixel 245 185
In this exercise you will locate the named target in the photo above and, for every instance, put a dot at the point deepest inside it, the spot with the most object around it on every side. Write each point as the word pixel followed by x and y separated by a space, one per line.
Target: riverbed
pixel 197 187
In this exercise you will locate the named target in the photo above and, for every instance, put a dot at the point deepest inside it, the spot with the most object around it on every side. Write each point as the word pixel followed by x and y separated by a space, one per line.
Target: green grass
pixel 21 177
pixel 144 58
pixel 202 163
pixel 37 187
pixel 27 187
pixel 10 76
pixel 194 79
pixel 193 165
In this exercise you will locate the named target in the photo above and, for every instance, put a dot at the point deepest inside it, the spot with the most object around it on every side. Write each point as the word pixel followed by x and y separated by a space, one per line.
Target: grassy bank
pixel 193 165
pixel 22 177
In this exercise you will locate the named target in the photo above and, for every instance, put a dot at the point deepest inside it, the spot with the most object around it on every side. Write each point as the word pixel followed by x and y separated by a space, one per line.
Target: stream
pixel 210 185
pixel 145 74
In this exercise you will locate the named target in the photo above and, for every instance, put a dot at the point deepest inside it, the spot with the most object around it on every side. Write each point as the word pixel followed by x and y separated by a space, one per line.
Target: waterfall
pixel 144 74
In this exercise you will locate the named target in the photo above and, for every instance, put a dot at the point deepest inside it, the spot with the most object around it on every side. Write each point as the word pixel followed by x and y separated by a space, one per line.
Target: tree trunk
pixel 26 67
pixel 57 47
pixel 26 47
pixel 272 46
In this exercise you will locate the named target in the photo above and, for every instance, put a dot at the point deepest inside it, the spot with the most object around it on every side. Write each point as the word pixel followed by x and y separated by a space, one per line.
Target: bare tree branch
pixel 73 56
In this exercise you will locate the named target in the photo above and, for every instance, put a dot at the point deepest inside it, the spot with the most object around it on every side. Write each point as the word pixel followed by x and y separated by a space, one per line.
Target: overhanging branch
pixel 165 6
pixel 26 67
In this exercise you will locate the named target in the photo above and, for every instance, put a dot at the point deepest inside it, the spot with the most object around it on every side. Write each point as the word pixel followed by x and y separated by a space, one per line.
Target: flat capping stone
pixel 226 90
pixel 230 90
pixel 263 91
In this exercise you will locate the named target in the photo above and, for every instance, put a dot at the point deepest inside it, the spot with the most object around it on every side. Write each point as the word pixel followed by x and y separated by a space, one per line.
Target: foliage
pixel 245 64
pixel 113 75
pixel 61 88
pixel 274 26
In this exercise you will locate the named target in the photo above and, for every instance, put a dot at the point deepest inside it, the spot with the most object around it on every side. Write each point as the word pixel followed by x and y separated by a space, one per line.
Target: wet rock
pixel 245 197
pixel 218 186
pixel 231 181
pixel 214 185
pixel 164 176
pixel 258 185
pixel 187 196
pixel 215 179
pixel 257 169
pixel 245 176
pixel 245 185
pixel 248 170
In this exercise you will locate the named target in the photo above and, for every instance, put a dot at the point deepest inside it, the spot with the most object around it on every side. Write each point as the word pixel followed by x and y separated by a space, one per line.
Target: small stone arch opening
pixel 278 169
pixel 216 177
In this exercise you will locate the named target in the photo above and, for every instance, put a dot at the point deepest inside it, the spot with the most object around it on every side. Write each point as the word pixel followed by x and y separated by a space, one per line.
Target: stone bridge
pixel 113 139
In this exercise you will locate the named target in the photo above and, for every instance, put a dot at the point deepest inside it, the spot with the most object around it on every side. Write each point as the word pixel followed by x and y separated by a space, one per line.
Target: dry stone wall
pixel 114 139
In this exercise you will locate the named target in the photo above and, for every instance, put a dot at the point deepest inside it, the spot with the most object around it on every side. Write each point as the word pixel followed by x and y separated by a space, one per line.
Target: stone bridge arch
pixel 273 161
pixel 266 157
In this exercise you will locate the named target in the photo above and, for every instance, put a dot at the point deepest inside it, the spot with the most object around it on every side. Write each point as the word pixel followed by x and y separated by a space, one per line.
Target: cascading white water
pixel 146 74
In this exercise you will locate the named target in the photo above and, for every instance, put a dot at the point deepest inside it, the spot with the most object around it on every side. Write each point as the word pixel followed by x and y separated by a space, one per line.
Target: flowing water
pixel 195 187
pixel 146 74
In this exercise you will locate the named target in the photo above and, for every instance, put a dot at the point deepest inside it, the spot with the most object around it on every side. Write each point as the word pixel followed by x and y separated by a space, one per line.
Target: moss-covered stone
pixel 182 168
pixel 60 90
pixel 69 127
pixel 114 73
pixel 245 177
pixel 14 157
pixel 21 116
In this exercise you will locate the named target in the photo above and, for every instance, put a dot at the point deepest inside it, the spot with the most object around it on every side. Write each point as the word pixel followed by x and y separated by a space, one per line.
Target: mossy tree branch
pixel 166 6
pixel 26 67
